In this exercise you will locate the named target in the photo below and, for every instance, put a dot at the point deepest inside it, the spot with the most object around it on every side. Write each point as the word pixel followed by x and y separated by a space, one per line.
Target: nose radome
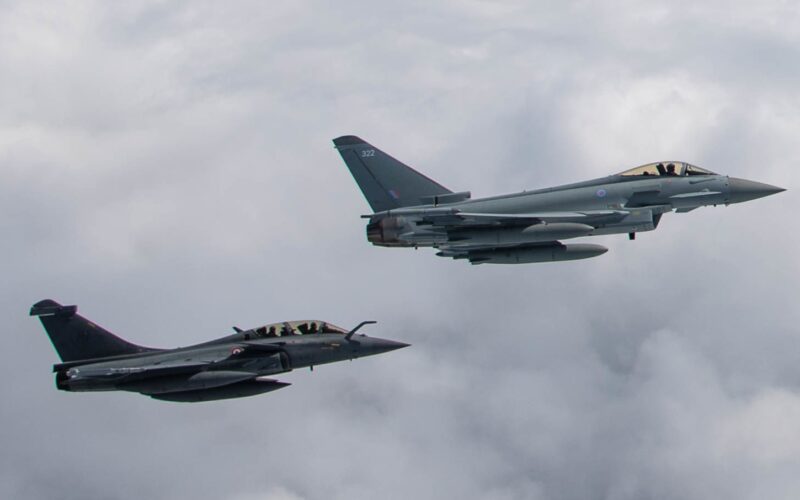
pixel 382 345
pixel 744 190
pixel 372 345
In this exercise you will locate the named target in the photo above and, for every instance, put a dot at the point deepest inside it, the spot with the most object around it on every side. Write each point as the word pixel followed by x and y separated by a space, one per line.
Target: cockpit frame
pixel 666 169
pixel 302 327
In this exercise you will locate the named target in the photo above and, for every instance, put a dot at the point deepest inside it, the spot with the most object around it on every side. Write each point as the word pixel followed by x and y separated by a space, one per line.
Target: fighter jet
pixel 234 366
pixel 411 210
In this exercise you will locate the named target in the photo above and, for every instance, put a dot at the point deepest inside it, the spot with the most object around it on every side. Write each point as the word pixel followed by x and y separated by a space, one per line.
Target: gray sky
pixel 167 166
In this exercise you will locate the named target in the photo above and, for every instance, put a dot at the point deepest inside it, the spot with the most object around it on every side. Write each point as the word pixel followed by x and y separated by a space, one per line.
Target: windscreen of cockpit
pixel 666 169
pixel 306 327
pixel 695 170
pixel 297 328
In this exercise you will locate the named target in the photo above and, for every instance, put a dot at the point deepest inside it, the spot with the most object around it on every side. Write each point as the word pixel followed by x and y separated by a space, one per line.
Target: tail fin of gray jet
pixel 76 338
pixel 386 182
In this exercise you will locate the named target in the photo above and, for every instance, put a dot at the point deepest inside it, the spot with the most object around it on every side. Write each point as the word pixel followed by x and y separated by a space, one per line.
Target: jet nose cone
pixel 744 190
pixel 370 346
pixel 389 345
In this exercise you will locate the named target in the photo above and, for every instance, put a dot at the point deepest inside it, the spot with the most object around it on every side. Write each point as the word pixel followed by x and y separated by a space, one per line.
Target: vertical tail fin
pixel 76 338
pixel 386 183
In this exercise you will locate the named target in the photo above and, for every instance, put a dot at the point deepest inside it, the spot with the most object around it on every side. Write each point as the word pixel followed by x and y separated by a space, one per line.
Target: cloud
pixel 168 167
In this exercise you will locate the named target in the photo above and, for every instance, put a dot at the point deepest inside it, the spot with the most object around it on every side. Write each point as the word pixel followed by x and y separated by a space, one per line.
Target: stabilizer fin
pixel 386 182
pixel 76 338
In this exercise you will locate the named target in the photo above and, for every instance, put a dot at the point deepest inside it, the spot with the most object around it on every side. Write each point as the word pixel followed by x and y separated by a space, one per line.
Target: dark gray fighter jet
pixel 411 210
pixel 235 366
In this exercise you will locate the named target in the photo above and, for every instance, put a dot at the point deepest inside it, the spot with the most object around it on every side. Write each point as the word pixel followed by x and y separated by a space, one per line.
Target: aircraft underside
pixel 516 244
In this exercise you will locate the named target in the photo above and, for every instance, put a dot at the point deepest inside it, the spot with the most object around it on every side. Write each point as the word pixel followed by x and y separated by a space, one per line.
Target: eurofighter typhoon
pixel 411 210
pixel 234 366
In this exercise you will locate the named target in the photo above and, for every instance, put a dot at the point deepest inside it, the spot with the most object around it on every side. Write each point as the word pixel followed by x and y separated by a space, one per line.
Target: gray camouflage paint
pixel 414 211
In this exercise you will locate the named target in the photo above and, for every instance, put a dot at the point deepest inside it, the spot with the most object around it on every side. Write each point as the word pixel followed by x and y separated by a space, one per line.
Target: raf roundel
pixel 237 350
pixel 601 193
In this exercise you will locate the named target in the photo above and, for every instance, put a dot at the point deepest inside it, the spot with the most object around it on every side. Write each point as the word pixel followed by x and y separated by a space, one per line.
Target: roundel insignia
pixel 601 193
pixel 237 350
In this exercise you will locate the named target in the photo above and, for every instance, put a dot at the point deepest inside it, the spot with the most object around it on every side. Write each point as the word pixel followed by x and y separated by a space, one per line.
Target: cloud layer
pixel 168 167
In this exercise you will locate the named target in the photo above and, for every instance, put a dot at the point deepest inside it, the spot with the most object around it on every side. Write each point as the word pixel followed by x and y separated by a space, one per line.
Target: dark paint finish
pixel 234 366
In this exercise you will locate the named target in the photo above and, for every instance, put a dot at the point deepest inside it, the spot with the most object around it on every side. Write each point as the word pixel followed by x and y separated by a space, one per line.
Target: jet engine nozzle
pixel 62 381
pixel 385 232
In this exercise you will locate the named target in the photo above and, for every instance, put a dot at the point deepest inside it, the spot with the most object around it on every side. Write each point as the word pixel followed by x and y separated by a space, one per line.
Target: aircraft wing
pixel 468 218
pixel 153 366
pixel 453 217
pixel 477 236
pixel 164 368
pixel 181 364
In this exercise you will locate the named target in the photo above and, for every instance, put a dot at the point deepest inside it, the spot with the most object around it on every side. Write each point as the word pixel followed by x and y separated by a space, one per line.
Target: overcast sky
pixel 168 167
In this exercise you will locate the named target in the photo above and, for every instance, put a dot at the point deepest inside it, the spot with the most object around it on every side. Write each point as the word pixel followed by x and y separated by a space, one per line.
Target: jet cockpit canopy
pixel 666 169
pixel 304 327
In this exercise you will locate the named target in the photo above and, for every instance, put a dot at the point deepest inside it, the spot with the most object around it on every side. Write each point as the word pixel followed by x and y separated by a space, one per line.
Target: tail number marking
pixel 366 153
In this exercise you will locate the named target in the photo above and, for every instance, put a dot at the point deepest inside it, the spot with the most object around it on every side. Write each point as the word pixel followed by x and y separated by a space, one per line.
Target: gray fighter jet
pixel 411 210
pixel 231 367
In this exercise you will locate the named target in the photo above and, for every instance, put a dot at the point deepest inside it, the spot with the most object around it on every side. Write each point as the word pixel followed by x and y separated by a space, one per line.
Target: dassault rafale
pixel 411 210
pixel 238 365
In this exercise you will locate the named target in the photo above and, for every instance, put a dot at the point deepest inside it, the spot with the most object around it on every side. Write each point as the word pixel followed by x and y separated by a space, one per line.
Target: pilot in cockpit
pixel 671 170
